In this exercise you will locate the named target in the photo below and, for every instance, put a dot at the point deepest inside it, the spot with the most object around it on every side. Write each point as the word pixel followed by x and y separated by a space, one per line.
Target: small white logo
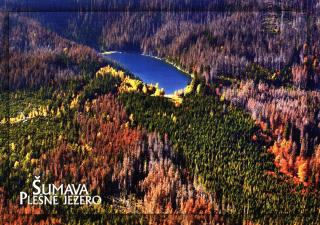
pixel 51 194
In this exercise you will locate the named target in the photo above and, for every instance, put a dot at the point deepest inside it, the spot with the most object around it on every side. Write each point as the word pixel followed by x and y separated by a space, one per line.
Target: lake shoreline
pixel 165 60
pixel 188 77
pixel 172 64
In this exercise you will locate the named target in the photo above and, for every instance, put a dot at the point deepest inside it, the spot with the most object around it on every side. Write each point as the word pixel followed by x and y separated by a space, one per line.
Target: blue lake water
pixel 152 70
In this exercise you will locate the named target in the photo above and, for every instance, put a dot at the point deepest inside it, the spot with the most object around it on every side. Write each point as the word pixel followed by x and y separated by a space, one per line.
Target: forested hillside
pixel 293 116
pixel 210 44
pixel 39 57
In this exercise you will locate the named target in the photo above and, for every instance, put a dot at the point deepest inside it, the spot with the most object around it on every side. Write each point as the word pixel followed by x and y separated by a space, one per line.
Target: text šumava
pixel 50 194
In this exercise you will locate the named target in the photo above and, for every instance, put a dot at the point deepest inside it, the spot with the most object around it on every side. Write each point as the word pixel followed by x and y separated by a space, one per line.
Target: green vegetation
pixel 219 145
pixel 38 120
pixel 214 140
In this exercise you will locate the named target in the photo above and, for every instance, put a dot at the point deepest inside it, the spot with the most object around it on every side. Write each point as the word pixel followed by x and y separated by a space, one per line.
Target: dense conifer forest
pixel 239 145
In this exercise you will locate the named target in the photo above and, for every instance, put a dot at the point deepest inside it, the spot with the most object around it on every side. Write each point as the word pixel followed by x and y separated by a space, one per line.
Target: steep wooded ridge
pixel 38 56
pixel 208 44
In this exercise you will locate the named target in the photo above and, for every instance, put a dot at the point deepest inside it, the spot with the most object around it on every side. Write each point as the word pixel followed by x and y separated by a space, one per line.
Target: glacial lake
pixel 151 70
